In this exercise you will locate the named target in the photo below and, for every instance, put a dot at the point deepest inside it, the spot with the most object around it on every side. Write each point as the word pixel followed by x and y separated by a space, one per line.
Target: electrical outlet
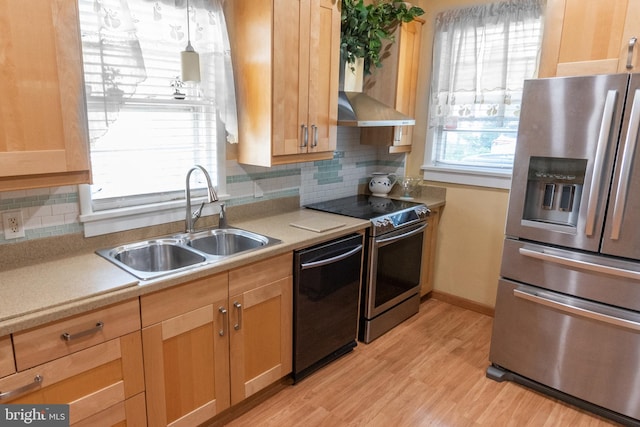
pixel 13 224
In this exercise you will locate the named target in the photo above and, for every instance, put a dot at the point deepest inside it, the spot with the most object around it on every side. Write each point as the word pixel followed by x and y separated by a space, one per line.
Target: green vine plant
pixel 364 28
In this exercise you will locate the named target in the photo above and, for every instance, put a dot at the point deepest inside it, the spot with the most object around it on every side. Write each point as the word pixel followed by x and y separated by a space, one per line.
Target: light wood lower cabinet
pixel 205 351
pixel 186 352
pixel 429 252
pixel 261 325
pixel 7 364
pixel 100 378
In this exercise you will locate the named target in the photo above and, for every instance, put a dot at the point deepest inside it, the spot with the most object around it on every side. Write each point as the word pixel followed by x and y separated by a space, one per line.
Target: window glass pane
pixel 482 55
pixel 148 128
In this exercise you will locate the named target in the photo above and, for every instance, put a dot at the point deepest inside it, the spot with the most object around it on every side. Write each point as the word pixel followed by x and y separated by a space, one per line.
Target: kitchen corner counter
pixel 50 290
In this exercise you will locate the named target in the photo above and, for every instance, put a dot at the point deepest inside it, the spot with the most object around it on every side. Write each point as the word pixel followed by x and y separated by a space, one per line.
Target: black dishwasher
pixel 326 294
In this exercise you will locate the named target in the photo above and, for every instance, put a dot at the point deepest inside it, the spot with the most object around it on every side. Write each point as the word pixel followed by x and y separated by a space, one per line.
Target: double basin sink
pixel 153 258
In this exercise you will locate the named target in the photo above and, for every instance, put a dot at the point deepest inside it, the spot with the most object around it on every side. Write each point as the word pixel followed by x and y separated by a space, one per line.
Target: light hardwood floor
pixel 428 371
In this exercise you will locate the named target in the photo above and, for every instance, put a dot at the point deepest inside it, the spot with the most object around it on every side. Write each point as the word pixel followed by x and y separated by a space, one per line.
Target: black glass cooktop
pixel 363 206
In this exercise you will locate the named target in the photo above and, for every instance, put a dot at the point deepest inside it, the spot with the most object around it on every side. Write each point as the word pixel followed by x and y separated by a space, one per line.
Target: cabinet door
pixel 43 137
pixel 90 381
pixel 588 37
pixel 260 325
pixel 324 46
pixel 186 353
pixel 395 84
pixel 7 364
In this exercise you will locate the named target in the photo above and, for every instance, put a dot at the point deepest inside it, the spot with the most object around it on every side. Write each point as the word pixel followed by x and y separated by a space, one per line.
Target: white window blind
pixel 481 57
pixel 147 128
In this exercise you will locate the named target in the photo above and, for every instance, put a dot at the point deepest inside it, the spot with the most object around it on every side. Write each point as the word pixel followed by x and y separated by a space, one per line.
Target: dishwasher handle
pixel 323 262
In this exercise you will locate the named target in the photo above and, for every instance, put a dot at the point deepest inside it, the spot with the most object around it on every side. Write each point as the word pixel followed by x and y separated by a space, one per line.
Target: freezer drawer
pixel 594 277
pixel 584 349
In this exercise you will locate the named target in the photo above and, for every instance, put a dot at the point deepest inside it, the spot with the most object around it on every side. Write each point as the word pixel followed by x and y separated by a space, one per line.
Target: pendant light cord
pixel 189 48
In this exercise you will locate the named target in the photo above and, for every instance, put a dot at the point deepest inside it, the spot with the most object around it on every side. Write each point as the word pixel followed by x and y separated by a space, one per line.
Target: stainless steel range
pixel 391 277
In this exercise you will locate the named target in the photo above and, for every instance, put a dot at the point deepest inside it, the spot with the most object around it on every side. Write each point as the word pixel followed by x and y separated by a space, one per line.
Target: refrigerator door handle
pixel 583 265
pixel 583 312
pixel 603 138
pixel 625 168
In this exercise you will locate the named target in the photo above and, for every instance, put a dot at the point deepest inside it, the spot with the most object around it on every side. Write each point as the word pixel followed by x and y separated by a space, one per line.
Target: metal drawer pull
pixel 20 390
pixel 584 265
pixel 632 43
pixel 315 136
pixel 68 337
pixel 305 135
pixel 238 307
pixel 583 312
pixel 224 321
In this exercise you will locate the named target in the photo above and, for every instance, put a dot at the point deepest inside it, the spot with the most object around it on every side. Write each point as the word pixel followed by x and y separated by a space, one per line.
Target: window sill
pixel 478 177
pixel 114 220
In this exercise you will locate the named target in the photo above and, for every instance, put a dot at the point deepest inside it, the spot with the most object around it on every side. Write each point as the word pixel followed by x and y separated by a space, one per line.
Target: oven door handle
pixel 389 240
pixel 315 264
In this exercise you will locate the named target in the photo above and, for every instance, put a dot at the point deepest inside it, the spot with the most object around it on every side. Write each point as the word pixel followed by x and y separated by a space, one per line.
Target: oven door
pixel 394 266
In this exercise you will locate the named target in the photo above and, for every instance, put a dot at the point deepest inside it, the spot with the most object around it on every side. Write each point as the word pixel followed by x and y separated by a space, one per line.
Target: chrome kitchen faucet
pixel 192 217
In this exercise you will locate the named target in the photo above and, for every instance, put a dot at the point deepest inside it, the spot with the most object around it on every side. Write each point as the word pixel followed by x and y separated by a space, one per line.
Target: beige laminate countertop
pixel 36 294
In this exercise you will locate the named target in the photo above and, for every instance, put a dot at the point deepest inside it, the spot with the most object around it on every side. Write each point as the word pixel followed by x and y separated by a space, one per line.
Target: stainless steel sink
pixel 154 258
pixel 225 241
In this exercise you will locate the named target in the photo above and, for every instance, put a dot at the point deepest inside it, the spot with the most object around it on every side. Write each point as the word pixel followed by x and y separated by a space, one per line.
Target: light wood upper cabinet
pixel 186 352
pixel 395 84
pixel 261 309
pixel 286 70
pixel 590 37
pixel 43 131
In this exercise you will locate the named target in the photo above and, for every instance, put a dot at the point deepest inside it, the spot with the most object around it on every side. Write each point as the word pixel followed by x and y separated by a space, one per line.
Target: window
pixel 481 57
pixel 148 128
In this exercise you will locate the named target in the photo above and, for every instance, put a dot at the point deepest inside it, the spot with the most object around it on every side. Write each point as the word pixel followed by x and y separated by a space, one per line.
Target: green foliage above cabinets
pixel 365 27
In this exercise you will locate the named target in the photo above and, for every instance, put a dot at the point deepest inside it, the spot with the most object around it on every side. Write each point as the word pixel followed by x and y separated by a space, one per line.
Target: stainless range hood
pixel 360 110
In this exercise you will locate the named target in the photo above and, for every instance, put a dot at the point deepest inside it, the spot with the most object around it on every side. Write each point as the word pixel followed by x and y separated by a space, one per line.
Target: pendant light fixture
pixel 189 58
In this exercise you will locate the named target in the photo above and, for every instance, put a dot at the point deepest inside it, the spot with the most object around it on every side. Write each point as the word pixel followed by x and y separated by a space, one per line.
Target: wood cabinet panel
pixel 7 364
pixel 44 132
pixel 181 299
pixel 90 380
pixel 43 343
pixel 286 71
pixel 261 337
pixel 429 252
pixel 589 37
pixel 395 84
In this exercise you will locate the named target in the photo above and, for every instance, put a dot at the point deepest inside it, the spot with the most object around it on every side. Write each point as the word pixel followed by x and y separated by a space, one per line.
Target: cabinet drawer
pixel 7 365
pixel 260 273
pixel 131 413
pixel 57 339
pixel 90 380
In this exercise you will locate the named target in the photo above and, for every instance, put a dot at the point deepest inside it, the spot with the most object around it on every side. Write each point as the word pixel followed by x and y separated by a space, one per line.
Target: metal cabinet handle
pixel 305 135
pixel 68 337
pixel 583 265
pixel 315 135
pixel 583 312
pixel 601 149
pixel 632 43
pixel 238 307
pixel 625 168
pixel 224 321
pixel 20 390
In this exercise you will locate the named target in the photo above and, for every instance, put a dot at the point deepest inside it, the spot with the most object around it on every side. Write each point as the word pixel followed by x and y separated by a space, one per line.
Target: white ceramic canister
pixel 381 183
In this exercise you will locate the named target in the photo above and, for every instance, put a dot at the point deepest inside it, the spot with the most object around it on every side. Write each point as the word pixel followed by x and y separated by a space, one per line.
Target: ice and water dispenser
pixel 554 191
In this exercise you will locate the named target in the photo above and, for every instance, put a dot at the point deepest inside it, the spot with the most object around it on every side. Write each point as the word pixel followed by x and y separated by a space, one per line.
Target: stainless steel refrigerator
pixel 567 315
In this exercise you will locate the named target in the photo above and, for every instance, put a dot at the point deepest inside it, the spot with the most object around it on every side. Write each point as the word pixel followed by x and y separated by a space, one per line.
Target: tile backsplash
pixel 54 211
